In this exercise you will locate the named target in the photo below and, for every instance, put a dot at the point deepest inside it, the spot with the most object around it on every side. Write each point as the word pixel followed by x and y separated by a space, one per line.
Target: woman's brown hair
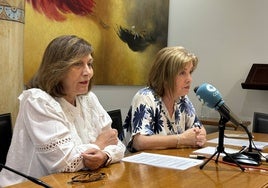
pixel 168 62
pixel 59 55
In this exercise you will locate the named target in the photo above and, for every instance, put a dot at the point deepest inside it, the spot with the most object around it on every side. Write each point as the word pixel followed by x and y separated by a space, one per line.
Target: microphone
pixel 212 98
pixel 32 179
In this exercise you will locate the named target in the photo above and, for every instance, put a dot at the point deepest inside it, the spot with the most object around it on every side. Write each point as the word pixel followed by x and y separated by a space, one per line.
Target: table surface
pixel 125 174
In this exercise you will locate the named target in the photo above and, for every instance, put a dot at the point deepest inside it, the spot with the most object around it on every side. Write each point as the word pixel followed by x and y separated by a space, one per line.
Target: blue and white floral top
pixel 148 116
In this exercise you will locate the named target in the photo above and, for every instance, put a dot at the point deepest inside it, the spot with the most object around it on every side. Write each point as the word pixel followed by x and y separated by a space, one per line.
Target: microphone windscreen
pixel 209 95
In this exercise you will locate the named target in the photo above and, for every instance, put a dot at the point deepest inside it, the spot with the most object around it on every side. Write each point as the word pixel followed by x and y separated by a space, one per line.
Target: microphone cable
pixel 32 179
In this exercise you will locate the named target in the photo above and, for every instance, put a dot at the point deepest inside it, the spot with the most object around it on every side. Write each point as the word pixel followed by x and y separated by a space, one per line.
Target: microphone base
pixel 244 158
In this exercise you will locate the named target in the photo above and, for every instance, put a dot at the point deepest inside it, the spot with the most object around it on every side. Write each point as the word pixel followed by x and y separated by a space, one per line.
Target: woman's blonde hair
pixel 59 55
pixel 168 62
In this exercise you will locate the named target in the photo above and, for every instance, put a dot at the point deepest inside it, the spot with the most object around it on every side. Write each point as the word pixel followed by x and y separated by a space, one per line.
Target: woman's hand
pixel 94 158
pixel 192 137
pixel 106 138
pixel 200 136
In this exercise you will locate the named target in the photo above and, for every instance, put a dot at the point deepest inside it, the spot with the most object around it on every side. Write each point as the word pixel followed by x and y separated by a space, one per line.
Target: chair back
pixel 260 122
pixel 117 124
pixel 5 136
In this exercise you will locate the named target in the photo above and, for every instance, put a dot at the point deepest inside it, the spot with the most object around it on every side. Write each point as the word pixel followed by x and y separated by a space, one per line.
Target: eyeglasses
pixel 87 177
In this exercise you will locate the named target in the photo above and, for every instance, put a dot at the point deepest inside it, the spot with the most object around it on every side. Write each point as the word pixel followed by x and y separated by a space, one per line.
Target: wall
pixel 116 97
pixel 11 55
pixel 228 37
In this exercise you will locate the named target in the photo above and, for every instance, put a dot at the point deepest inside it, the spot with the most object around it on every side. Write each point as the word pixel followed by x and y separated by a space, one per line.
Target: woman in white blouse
pixel 61 126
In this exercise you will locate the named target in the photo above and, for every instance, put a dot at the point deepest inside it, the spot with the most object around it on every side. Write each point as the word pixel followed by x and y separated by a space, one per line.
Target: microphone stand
pixel 32 179
pixel 220 147
pixel 250 152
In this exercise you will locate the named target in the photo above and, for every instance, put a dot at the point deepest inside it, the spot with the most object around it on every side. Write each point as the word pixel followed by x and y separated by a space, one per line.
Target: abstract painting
pixel 125 34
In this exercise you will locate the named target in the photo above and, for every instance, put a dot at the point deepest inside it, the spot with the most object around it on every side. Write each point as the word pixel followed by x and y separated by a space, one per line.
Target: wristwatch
pixel 109 159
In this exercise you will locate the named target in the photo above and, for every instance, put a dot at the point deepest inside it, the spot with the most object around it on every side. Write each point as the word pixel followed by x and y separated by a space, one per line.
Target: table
pixel 125 175
pixel 215 122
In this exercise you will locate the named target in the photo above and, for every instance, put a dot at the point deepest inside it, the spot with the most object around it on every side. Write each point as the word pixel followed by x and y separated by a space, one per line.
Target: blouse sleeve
pixel 144 110
pixel 46 125
pixel 115 152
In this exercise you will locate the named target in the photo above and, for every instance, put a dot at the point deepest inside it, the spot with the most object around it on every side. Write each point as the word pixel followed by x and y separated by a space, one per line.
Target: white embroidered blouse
pixel 50 134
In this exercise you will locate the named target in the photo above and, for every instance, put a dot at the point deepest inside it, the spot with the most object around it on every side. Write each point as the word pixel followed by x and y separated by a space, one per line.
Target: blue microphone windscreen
pixel 209 95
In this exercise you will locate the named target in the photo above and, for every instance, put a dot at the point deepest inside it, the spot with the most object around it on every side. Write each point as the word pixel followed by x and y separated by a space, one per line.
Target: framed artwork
pixel 125 34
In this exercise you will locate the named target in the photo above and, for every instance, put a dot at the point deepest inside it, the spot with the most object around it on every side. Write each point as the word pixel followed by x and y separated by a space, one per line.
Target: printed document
pixel 165 161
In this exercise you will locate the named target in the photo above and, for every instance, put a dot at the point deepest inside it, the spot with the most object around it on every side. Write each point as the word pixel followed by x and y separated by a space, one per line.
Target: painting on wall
pixel 125 34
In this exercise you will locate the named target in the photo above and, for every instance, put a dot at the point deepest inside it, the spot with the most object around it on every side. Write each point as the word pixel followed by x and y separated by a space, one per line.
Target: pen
pixel 197 156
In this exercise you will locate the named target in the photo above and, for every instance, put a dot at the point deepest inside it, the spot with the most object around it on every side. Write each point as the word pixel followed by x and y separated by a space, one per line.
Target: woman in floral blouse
pixel 161 115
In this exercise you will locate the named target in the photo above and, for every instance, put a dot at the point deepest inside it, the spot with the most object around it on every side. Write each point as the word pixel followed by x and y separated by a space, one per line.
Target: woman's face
pixel 78 78
pixel 183 81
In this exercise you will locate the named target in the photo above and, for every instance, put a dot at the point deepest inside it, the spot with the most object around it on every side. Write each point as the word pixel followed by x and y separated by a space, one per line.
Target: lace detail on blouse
pixel 73 165
pixel 53 145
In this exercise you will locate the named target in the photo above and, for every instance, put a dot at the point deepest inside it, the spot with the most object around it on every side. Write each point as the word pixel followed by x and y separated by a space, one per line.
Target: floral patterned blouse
pixel 148 116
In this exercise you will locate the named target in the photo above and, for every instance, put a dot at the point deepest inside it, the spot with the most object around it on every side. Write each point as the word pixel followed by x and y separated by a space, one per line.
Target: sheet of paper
pixel 211 150
pixel 240 142
pixel 165 161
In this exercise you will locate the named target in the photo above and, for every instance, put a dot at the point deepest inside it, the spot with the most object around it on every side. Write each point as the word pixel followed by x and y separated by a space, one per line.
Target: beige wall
pixel 11 57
